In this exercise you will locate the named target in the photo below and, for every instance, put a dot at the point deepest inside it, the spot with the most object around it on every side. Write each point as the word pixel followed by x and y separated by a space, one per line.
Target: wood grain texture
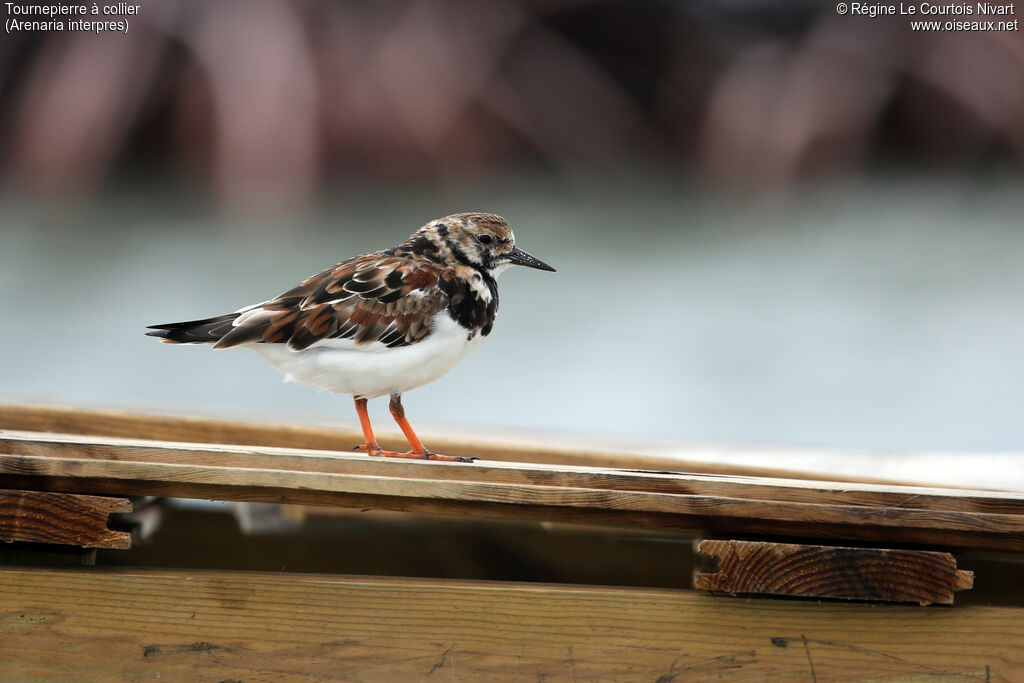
pixel 134 626
pixel 302 460
pixel 66 519
pixel 816 571
pixel 116 423
pixel 82 464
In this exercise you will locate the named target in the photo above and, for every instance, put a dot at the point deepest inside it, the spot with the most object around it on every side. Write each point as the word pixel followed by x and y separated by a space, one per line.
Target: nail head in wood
pixel 818 571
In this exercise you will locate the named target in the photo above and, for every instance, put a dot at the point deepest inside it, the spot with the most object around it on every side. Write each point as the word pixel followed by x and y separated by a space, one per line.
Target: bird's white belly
pixel 373 370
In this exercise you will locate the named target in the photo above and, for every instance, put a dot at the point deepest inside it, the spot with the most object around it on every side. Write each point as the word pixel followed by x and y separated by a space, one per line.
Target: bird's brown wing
pixel 372 298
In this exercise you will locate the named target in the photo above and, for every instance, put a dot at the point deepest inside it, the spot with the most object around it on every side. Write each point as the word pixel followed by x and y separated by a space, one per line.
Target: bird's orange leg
pixel 418 451
pixel 398 412
pixel 369 442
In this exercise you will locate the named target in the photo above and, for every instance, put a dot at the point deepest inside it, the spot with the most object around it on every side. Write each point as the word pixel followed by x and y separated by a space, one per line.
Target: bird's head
pixel 482 240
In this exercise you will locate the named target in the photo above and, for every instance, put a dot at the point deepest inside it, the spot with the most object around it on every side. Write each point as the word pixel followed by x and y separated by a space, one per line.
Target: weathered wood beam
pixel 817 571
pixel 141 625
pixel 81 464
pixel 116 423
pixel 107 449
pixel 65 519
pixel 67 420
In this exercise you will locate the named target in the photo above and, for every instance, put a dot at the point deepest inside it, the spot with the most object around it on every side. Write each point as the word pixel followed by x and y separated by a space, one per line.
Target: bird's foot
pixel 432 456
pixel 375 450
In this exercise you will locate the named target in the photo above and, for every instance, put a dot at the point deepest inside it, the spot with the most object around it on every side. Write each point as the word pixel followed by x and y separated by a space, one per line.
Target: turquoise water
pixel 886 314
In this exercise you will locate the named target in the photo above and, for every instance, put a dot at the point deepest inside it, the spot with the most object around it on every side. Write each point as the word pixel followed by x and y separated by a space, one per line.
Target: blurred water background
pixel 772 225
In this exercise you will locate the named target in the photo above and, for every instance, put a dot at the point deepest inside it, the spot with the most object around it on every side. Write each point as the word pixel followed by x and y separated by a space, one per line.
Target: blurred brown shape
pixel 780 112
pixel 265 102
pixel 73 115
pixel 984 74
pixel 264 99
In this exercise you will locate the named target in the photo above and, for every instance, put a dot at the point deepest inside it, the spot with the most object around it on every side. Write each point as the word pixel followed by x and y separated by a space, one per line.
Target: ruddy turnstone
pixel 382 323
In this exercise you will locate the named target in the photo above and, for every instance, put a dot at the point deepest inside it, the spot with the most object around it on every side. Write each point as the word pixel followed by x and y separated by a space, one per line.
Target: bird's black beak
pixel 520 258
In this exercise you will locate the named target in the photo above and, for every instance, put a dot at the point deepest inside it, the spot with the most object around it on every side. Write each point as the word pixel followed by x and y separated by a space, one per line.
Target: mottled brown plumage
pixel 366 299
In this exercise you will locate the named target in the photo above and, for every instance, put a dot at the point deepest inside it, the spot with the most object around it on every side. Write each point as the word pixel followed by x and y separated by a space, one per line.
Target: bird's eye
pixel 484 239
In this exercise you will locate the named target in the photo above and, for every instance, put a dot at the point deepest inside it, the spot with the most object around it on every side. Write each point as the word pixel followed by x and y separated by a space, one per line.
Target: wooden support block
pixel 61 518
pixel 817 571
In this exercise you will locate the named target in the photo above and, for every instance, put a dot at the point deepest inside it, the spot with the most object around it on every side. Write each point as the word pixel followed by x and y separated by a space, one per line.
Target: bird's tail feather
pixel 207 331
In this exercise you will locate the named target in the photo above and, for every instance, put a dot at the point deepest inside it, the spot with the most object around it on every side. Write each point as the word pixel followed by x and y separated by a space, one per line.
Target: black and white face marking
pixel 483 241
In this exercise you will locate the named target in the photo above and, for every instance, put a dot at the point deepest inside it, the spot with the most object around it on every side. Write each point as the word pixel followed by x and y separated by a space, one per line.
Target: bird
pixel 382 323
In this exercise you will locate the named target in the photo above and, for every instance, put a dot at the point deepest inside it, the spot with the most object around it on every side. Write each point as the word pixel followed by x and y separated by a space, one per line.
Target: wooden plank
pixel 132 625
pixel 301 460
pixel 115 423
pixel 68 420
pixel 109 466
pixel 816 571
pixel 65 519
